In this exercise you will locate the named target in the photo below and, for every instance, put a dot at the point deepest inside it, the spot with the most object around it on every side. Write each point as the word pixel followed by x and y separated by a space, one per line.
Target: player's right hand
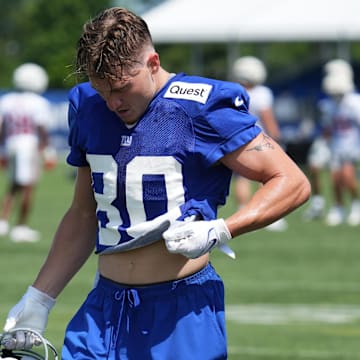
pixel 30 312
pixel 196 238
pixel 50 157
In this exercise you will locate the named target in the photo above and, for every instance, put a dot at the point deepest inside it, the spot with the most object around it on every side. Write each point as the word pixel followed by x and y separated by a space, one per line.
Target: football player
pixel 343 114
pixel 251 72
pixel 24 118
pixel 155 152
pixel 319 152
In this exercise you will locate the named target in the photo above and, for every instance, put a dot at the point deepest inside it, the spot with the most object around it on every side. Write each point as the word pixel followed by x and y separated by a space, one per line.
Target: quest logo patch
pixel 188 91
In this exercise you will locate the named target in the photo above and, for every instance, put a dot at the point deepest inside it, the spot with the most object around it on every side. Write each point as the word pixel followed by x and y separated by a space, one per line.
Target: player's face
pixel 130 96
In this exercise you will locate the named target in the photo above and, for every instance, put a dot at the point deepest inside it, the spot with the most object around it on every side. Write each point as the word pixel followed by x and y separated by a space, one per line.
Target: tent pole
pixel 233 52
pixel 343 50
pixel 197 59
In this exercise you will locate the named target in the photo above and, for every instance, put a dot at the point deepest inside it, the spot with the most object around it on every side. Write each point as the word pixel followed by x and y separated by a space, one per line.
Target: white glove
pixel 195 238
pixel 30 312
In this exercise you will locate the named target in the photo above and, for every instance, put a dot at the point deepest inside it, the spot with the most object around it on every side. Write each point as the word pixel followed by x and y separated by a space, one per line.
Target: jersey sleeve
pixel 225 123
pixel 77 155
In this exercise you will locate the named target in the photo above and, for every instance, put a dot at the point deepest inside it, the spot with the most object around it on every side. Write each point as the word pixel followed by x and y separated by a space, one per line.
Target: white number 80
pixel 105 165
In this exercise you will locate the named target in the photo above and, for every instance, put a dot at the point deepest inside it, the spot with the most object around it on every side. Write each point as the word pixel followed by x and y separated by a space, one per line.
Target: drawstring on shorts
pixel 128 297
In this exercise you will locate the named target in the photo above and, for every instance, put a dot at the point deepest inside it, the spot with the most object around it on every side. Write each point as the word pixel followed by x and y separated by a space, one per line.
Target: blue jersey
pixel 167 165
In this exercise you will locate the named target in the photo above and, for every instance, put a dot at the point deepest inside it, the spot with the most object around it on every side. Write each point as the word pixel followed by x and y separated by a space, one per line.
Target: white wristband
pixel 224 237
pixel 40 297
pixel 223 232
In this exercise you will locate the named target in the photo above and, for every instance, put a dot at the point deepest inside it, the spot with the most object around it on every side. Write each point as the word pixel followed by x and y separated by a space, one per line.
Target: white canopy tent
pixel 234 22
pixel 202 21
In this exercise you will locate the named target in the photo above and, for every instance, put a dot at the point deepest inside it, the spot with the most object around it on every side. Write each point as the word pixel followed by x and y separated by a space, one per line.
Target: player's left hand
pixel 196 238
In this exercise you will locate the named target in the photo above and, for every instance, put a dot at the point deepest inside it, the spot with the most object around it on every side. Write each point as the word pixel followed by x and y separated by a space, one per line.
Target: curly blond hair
pixel 111 44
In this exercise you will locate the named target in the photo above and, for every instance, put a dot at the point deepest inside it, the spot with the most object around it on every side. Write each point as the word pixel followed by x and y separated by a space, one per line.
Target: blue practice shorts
pixel 177 320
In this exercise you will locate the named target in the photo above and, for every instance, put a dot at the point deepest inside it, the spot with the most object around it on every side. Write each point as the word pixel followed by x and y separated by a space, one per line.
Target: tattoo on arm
pixel 264 144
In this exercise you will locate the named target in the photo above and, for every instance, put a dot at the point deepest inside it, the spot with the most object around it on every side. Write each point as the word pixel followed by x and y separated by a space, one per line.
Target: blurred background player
pixel 320 154
pixel 251 73
pixel 343 112
pixel 24 115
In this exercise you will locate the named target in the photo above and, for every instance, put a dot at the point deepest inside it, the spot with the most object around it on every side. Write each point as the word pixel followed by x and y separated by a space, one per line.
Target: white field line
pixel 292 313
pixel 236 351
pixel 281 285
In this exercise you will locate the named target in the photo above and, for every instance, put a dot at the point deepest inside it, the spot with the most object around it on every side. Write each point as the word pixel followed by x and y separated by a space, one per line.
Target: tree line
pixel 46 32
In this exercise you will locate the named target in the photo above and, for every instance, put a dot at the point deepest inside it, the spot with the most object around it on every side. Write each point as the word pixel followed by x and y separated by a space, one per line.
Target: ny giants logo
pixel 126 140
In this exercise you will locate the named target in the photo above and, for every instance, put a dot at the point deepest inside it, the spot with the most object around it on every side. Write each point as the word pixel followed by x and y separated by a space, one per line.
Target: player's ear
pixel 153 62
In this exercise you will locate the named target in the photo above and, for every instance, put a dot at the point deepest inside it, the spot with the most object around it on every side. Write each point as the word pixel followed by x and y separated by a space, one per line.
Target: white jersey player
pixel 319 154
pixel 24 116
pixel 343 114
pixel 250 72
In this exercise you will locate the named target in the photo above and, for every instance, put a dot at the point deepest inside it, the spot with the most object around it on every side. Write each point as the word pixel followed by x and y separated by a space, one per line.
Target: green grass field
pixel 290 295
